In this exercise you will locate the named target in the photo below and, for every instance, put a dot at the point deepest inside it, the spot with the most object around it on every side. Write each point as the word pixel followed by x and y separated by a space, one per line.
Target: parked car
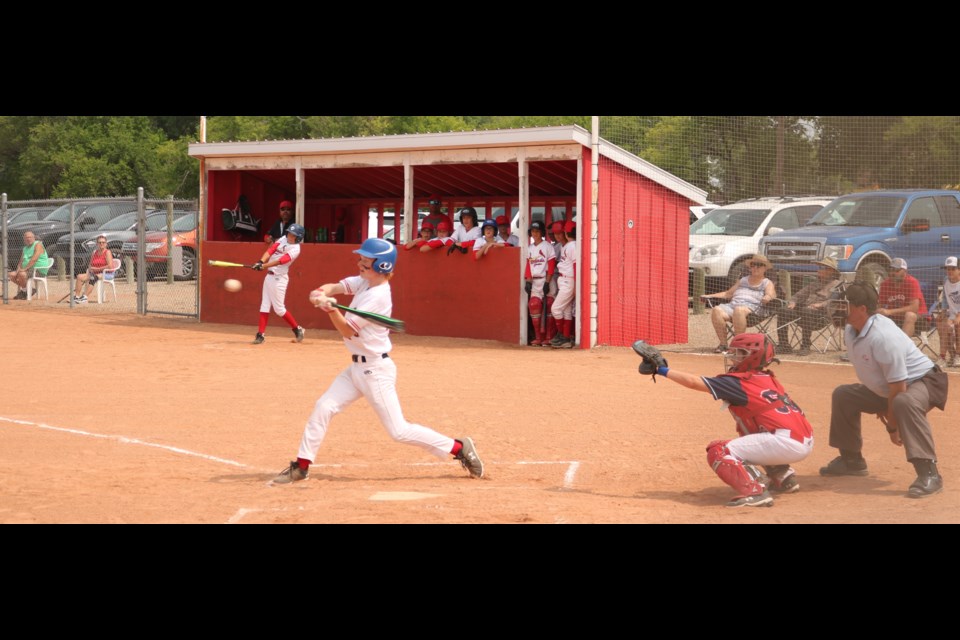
pixel 864 231
pixel 184 236
pixel 699 211
pixel 722 241
pixel 87 216
pixel 27 214
pixel 117 231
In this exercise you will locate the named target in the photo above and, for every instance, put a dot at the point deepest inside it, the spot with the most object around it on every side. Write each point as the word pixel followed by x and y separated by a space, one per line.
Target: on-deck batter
pixel 277 260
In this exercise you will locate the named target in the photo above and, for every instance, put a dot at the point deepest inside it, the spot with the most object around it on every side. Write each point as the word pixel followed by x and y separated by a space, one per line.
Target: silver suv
pixel 722 241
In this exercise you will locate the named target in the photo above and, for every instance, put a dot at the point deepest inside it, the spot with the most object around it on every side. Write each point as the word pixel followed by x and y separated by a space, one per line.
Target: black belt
pixel 356 358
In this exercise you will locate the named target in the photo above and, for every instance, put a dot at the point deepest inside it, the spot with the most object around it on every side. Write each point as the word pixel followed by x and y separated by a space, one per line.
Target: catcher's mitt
pixel 652 358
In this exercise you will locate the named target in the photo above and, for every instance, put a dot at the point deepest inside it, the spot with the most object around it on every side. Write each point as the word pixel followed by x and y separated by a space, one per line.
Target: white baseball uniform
pixel 951 293
pixel 563 305
pixel 275 282
pixel 539 257
pixel 461 234
pixel 481 241
pixel 372 375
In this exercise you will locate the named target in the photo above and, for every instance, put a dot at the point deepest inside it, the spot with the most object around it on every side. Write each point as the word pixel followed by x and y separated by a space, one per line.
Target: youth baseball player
pixel 541 263
pixel 372 373
pixel 948 320
pixel 773 430
pixel 443 238
pixel 566 287
pixel 276 260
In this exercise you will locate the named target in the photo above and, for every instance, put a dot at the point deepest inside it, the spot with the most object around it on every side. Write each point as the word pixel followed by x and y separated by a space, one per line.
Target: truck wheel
pixel 872 272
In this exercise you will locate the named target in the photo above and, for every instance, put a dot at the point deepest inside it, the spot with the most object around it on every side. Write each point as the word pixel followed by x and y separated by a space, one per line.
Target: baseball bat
pixel 221 263
pixel 393 324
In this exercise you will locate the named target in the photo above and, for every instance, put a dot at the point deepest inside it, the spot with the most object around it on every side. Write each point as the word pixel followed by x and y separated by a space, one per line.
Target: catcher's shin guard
pixel 745 478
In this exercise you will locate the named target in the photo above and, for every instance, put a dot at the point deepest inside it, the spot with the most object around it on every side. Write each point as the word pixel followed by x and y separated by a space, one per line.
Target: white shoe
pixel 942 363
pixel 956 360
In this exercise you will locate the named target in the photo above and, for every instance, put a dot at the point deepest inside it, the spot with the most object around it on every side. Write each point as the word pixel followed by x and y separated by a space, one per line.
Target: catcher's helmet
pixel 750 352
pixel 297 230
pixel 384 254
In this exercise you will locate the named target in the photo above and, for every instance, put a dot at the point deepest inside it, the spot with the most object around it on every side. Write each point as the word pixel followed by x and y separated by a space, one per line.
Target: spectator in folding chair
pixel 948 319
pixel 746 297
pixel 901 298
pixel 33 255
pixel 809 307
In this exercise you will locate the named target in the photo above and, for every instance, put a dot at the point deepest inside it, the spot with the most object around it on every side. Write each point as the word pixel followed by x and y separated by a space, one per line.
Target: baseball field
pixel 130 419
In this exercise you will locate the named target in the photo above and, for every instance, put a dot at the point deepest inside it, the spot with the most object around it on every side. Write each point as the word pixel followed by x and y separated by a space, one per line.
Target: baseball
pixel 233 285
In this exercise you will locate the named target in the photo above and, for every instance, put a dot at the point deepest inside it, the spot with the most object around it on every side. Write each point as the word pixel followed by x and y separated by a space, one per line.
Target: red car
pixel 184 236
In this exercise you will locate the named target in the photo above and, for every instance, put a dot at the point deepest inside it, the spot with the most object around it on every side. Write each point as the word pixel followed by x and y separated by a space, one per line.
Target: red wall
pixel 436 294
pixel 642 292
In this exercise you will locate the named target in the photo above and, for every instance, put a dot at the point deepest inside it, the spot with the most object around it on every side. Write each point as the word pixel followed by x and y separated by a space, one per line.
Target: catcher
pixel 773 430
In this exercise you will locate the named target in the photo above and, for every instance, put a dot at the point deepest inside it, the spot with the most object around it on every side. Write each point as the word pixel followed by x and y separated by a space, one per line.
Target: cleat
pixel 759 500
pixel 298 334
pixel 293 473
pixel 469 459
pixel 258 339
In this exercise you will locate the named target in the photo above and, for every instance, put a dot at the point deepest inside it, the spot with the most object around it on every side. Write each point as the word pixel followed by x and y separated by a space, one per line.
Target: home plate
pixel 383 496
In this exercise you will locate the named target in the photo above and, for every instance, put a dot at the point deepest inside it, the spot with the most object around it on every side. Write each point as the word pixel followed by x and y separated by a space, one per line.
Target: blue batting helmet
pixel 384 254
pixel 489 222
pixel 297 230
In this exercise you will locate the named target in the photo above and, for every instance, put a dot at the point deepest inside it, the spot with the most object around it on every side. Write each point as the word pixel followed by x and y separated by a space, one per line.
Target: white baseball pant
pixel 769 448
pixel 563 305
pixel 274 293
pixel 376 381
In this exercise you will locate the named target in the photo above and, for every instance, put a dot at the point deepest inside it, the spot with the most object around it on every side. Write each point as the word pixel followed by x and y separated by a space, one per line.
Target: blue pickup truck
pixel 865 231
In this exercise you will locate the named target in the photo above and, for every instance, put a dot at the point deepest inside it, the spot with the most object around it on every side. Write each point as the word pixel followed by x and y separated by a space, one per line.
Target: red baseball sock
pixel 457 446
pixel 303 464
pixel 290 321
pixel 263 321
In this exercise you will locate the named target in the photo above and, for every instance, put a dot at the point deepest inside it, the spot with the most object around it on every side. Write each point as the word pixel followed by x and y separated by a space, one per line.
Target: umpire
pixel 899 384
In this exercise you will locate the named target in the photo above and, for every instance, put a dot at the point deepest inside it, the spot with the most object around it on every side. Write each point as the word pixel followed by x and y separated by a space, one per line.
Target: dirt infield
pixel 124 419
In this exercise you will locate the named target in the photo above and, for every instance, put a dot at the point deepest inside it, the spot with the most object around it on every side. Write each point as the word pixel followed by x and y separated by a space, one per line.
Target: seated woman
pixel 746 296
pixel 101 260
pixel 34 256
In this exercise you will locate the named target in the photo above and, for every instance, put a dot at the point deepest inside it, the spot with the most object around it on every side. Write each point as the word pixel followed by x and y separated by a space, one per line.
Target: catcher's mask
pixel 859 292
pixel 749 352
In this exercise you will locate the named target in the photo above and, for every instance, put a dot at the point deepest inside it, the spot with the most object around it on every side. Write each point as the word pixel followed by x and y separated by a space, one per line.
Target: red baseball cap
pixel 426 225
pixel 502 220
pixel 434 198
pixel 443 225
pixel 285 204
pixel 569 226
pixel 557 227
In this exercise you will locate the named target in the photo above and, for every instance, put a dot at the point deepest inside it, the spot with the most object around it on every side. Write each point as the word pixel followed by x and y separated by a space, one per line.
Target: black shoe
pixel 298 333
pixel 925 486
pixel 928 480
pixel 21 296
pixel 840 466
pixel 258 339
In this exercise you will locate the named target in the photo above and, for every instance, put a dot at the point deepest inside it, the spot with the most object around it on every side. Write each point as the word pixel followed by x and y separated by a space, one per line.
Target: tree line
pixel 731 157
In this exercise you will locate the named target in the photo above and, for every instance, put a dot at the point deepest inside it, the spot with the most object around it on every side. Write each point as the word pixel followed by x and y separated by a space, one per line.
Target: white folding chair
pixel 35 280
pixel 107 278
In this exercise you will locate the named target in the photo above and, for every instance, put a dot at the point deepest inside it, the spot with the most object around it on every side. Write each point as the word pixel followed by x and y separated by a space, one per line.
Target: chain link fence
pixel 153 238
pixel 789 164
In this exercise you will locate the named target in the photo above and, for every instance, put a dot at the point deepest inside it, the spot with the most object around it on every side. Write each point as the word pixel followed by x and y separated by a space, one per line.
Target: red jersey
pixel 894 295
pixel 759 403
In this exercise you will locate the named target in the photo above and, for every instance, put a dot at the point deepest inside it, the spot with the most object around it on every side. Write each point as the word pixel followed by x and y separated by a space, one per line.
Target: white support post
pixel 300 188
pixel 594 222
pixel 522 231
pixel 409 214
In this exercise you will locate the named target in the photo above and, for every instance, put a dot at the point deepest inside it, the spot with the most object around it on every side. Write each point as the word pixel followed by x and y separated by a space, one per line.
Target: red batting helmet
pixel 750 352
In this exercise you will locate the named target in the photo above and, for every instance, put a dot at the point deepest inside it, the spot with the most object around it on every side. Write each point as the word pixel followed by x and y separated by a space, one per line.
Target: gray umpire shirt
pixel 883 354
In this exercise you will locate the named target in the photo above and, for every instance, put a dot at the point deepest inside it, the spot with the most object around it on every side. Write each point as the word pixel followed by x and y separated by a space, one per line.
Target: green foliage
pixel 732 157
